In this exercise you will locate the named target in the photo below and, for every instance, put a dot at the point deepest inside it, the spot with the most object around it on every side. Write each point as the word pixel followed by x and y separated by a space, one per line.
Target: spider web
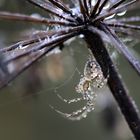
pixel 58 89
pixel 54 89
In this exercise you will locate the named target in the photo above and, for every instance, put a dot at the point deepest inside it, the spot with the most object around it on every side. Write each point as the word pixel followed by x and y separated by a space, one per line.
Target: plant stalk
pixel 124 101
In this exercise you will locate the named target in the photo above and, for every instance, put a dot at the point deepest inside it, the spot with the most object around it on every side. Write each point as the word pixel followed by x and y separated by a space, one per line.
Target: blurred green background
pixel 24 105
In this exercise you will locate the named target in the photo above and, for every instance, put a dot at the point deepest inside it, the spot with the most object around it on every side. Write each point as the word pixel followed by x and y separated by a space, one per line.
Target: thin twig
pixel 114 11
pixel 46 34
pixel 42 45
pixel 82 9
pixel 62 6
pixel 38 20
pixel 25 66
pixel 86 6
pixel 116 4
pixel 122 25
pixel 95 8
pixel 102 6
pixel 47 7
pixel 129 19
pixel 120 46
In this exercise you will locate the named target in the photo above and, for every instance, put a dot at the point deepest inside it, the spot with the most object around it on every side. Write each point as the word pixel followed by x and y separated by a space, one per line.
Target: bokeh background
pixel 24 105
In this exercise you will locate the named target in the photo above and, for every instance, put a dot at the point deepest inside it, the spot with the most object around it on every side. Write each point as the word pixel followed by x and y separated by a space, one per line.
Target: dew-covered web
pixel 85 89
pixel 42 91
pixel 79 80
pixel 89 83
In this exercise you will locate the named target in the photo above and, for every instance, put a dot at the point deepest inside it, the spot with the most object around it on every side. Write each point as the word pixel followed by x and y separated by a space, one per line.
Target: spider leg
pixel 71 100
pixel 76 115
pixel 80 113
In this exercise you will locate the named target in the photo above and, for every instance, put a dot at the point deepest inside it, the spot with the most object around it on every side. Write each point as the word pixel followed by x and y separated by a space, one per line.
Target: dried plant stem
pixel 101 7
pixel 46 6
pixel 114 11
pixel 125 102
pixel 36 20
pixel 126 26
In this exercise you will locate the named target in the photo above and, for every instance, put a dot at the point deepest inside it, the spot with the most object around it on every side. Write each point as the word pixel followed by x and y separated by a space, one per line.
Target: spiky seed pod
pixel 96 20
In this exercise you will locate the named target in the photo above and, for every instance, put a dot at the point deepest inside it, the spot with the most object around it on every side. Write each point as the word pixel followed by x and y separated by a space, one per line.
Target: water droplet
pixel 35 15
pixel 110 17
pixel 11 67
pixel 81 36
pixel 121 13
pixel 106 6
pixel 93 2
pixel 84 115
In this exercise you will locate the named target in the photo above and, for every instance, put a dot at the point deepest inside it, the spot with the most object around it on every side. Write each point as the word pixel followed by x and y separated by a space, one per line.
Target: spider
pixel 92 80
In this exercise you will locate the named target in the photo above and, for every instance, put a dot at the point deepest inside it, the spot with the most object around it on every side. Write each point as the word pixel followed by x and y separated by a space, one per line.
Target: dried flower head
pixel 67 21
